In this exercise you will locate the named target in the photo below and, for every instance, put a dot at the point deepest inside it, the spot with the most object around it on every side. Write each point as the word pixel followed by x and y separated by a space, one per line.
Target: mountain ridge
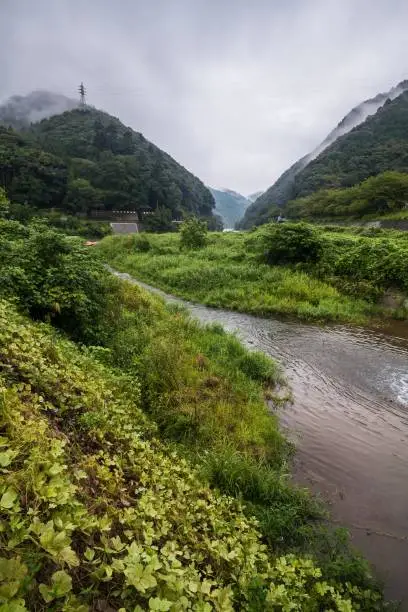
pixel 284 188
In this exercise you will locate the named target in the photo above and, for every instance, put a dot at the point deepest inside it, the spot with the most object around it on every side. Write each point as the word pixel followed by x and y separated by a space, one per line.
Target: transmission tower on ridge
pixel 82 95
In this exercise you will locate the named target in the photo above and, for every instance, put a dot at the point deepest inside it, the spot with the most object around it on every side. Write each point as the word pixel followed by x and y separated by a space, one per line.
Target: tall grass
pixel 229 274
pixel 206 393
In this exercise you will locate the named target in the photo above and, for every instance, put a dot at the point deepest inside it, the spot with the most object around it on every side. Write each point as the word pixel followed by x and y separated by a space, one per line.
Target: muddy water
pixel 349 420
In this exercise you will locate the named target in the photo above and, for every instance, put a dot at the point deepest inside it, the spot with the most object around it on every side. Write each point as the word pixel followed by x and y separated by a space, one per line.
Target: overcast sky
pixel 235 90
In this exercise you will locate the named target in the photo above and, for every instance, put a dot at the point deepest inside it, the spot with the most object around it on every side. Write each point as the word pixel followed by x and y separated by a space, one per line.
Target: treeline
pixel 378 195
pixel 86 160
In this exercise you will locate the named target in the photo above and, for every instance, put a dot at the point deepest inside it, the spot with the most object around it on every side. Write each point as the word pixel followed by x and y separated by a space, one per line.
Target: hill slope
pixel 102 164
pixel 286 187
pixel 230 205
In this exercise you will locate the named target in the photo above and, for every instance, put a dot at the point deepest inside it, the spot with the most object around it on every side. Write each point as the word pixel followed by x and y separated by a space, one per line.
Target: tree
pixel 82 197
pixel 193 234
pixel 4 203
pixel 292 243
pixel 159 221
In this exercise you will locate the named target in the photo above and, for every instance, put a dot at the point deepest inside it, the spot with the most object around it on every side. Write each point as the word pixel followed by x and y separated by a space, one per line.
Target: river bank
pixel 349 421
pixel 349 284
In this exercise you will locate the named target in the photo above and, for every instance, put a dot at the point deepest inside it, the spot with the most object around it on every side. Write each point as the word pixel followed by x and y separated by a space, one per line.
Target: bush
pixel 141 243
pixel 193 234
pixel 292 243
pixel 55 278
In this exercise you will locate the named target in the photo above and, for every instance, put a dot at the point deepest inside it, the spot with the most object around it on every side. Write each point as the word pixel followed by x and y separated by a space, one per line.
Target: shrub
pixel 193 234
pixel 55 278
pixel 141 243
pixel 292 243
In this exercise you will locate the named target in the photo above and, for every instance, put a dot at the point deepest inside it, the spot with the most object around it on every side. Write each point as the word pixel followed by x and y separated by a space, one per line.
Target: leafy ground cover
pixel 344 285
pixel 140 468
pixel 97 512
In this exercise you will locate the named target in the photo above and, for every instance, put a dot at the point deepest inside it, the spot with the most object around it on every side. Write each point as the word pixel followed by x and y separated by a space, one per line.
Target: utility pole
pixel 82 95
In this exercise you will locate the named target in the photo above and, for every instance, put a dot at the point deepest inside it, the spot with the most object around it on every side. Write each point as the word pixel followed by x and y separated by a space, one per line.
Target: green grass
pixel 229 274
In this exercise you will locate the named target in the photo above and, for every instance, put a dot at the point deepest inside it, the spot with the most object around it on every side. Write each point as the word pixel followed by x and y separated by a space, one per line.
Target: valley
pixel 154 461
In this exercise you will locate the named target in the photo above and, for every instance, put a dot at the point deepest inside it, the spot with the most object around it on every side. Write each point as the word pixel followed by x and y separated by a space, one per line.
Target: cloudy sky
pixel 235 90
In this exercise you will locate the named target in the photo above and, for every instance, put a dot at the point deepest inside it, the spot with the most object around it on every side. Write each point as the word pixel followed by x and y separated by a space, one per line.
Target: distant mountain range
pixel 230 206
pixel 326 166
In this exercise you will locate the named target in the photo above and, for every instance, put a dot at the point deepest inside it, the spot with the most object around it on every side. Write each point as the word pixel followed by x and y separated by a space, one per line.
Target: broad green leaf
pixel 8 498
pixel 6 457
pixel 46 593
pixel 61 583
pixel 162 605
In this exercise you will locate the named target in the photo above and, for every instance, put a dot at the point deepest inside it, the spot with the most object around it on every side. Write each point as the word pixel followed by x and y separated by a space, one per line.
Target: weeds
pixel 343 286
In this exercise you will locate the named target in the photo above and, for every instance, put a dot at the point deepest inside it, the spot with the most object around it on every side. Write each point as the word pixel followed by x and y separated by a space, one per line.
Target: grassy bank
pixel 231 272
pixel 134 461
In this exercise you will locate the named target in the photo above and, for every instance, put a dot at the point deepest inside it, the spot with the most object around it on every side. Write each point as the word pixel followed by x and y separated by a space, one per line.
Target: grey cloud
pixel 234 90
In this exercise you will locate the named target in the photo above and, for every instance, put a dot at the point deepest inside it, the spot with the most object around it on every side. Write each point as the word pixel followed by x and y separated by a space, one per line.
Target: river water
pixel 349 420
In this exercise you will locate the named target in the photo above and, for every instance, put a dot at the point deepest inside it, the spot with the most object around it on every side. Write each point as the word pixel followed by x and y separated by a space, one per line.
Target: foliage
pixel 141 243
pixel 30 175
pixel 93 506
pixel 378 195
pixel 84 160
pixel 81 197
pixel 269 203
pixel 193 234
pixel 113 167
pixel 76 226
pixel 377 145
pixel 229 273
pixel 4 203
pixel 54 277
pixel 160 220
pixel 291 243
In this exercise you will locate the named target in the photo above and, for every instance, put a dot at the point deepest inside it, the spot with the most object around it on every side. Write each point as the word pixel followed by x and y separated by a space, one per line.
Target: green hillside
pixel 84 160
pixel 383 194
pixel 377 145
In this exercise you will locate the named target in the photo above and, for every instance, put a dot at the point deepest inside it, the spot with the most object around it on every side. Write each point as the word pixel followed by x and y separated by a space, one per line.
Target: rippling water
pixel 349 420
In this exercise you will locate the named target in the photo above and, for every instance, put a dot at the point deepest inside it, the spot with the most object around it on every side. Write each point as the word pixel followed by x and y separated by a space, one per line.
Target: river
pixel 349 420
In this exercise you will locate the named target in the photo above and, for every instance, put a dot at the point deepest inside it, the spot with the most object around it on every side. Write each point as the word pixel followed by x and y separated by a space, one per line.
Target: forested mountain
pixel 297 180
pixel 230 206
pixel 85 160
